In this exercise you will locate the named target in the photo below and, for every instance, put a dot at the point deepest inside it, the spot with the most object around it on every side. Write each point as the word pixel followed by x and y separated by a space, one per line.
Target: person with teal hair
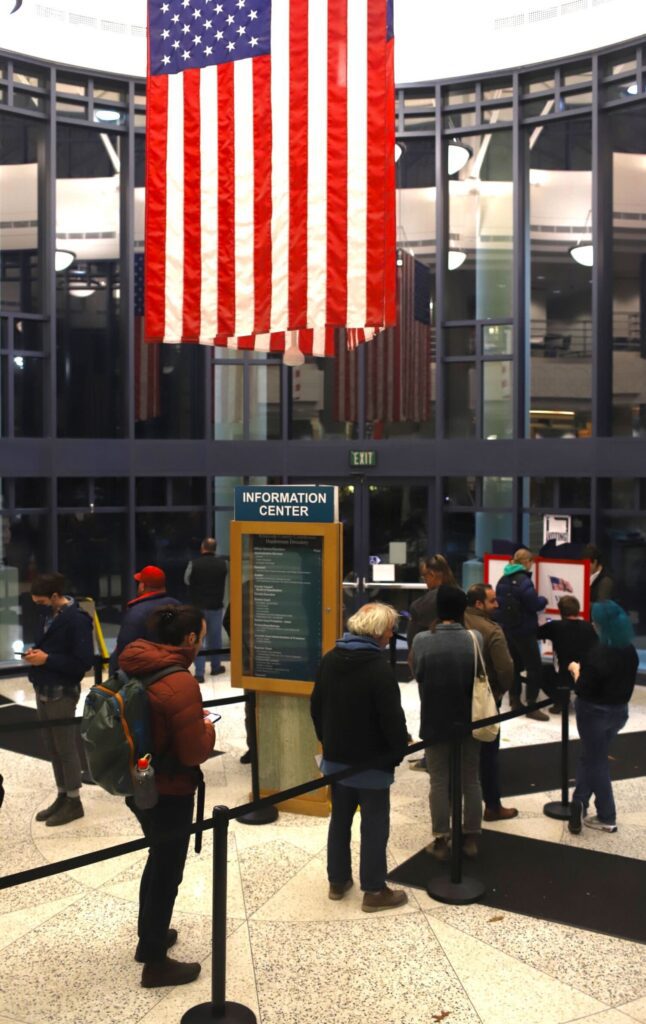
pixel 604 684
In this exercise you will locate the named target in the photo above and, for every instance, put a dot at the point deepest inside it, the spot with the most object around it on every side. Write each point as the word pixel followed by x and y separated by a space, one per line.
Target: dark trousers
pixel 527 657
pixel 598 724
pixel 375 827
pixel 163 871
pixel 61 742
pixel 489 773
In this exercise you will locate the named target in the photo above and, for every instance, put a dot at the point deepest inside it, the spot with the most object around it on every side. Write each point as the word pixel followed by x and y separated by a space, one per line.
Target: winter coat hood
pixel 514 567
pixel 142 657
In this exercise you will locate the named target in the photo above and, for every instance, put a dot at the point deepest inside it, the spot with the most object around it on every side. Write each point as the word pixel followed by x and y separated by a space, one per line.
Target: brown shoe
pixel 387 899
pixel 554 710
pixel 500 813
pixel 469 847
pixel 338 889
pixel 439 849
pixel 168 972
pixel 171 939
pixel 48 811
pixel 538 716
pixel 70 809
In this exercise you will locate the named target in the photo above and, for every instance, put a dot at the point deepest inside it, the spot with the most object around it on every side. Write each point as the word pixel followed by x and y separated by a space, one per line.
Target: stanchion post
pixel 560 809
pixel 457 888
pixel 219 1008
pixel 264 815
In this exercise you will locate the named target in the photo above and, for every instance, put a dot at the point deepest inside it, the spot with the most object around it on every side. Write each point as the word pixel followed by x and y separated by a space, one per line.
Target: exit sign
pixel 363 458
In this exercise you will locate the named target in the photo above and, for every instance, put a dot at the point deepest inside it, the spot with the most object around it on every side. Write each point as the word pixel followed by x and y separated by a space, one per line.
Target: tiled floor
pixel 67 942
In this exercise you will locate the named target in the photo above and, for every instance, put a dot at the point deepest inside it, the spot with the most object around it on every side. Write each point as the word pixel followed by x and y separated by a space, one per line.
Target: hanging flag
pixel 270 171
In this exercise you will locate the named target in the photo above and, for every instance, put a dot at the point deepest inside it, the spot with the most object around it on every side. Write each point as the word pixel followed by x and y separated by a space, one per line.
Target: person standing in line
pixel 434 570
pixel 444 664
pixel 357 714
pixel 481 604
pixel 571 638
pixel 62 654
pixel 604 684
pixel 519 605
pixel 602 585
pixel 183 738
pixel 151 594
pixel 205 577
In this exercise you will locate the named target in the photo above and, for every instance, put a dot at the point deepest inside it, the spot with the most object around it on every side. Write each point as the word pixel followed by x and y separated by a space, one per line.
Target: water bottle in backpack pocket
pixel 145 793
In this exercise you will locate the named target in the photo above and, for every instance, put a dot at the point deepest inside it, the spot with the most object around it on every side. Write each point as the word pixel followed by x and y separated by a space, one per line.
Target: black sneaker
pixel 246 757
pixel 48 811
pixel 171 939
pixel 169 972
pixel 69 810
pixel 576 817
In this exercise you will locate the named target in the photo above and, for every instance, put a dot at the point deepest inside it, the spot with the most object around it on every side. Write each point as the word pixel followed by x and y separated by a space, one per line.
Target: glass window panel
pixel 576 100
pixel 622 493
pixel 459 400
pixel 150 490
pixel 538 108
pixel 110 491
pixel 28 74
pixel 28 336
pixel 419 122
pixel 503 88
pixel 224 489
pixel 642 495
pixel 540 82
pixel 574 492
pixel 541 492
pixel 497 339
pixel 624 543
pixel 4 69
pixel 74 492
pixel 30 492
pixel 106 91
pixel 228 402
pixel 490 527
pixel 399 514
pixel 496 115
pixel 561 289
pixel 463 119
pixel 188 490
pixel 4 395
pixel 497 491
pixel 620 63
pixel 169 540
pixel 169 387
pixel 481 225
pixel 459 94
pixel 619 90
pixel 93 556
pixel 28 396
pixel 23 554
pixel 71 85
pixel 4 334
pixel 628 138
pixel 27 101
pixel 325 397
pixel 3 94
pixel 577 76
pixel 20 274
pixel 67 108
pixel 264 401
pixel 459 539
pixel 497 406
pixel 419 98
pixel 140 119
pixel 460 341
pixel 460 490
pixel 416 209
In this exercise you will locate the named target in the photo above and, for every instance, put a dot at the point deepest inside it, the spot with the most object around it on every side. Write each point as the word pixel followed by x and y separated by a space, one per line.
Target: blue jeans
pixel 375 827
pixel 213 638
pixel 598 724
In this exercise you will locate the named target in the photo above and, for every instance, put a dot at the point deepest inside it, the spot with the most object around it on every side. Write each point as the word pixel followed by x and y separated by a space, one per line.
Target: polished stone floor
pixel 294 957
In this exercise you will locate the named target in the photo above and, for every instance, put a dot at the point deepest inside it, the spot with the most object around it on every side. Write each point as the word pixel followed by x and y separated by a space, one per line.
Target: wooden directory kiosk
pixel 285 614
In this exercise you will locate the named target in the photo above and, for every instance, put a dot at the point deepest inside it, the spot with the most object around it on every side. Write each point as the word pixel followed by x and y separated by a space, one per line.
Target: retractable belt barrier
pixel 455 889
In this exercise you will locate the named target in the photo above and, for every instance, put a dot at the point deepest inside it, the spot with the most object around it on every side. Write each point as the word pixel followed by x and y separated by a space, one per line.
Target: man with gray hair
pixel 358 717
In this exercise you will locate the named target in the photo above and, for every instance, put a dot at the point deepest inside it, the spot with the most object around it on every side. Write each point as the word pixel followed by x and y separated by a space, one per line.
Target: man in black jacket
pixel 205 578
pixel 151 595
pixel 62 655
pixel 357 714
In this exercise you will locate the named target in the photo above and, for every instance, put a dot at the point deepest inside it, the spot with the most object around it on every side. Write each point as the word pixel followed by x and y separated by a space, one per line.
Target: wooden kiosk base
pixel 286 747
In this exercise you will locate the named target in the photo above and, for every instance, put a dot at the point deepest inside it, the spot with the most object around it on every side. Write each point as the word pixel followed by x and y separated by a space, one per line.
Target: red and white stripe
pixel 270 187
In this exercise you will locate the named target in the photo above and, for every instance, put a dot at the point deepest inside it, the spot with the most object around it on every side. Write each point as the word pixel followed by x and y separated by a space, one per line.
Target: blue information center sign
pixel 288 503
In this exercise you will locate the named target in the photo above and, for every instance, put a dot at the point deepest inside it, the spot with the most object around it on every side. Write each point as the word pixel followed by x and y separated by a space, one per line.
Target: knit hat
pixel 451 603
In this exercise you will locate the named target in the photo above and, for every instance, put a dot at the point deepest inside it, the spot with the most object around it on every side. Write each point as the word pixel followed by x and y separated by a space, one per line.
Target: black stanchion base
pixel 469 890
pixel 263 816
pixel 555 809
pixel 234 1013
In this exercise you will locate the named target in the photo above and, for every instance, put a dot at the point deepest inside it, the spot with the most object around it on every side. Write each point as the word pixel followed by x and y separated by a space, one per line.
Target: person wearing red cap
pixel 151 595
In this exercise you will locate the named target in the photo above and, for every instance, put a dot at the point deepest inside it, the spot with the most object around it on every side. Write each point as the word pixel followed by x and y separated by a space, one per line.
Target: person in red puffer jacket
pixel 183 736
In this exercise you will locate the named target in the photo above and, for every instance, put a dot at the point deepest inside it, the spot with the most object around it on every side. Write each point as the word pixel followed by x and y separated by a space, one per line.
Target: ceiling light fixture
pixel 106 116
pixel 455 258
pixel 458 156
pixel 400 149
pixel 632 89
pixel 63 258
pixel 582 253
pixel 292 356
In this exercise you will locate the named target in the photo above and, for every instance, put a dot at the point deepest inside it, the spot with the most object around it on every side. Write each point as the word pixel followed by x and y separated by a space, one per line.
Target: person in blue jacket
pixel 519 605
pixel 151 595
pixel 62 655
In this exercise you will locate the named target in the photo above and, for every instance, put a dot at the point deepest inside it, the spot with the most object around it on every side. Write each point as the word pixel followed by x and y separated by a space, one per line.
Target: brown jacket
pixel 179 728
pixel 498 660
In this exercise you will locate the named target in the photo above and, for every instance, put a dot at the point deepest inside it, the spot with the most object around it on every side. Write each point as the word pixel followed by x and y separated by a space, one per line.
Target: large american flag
pixel 270 172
